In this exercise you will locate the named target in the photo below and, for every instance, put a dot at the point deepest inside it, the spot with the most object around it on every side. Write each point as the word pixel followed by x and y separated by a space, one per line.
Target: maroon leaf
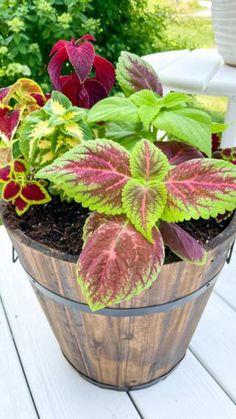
pixel 182 243
pixel 87 37
pixel 55 66
pixel 215 138
pixel 5 173
pixel 3 92
pixel 178 152
pixel 58 45
pixel 117 263
pixel 9 121
pixel 81 58
pixel 19 166
pixel 34 192
pixel 105 72
pixel 10 190
pixel 20 205
pixel 71 87
pixel 134 74
pixel 95 92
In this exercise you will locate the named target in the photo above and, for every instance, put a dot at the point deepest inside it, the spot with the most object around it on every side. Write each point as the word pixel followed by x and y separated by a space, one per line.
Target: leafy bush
pixel 28 29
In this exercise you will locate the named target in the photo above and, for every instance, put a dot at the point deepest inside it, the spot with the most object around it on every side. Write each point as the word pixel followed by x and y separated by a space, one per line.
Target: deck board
pixel 190 392
pixel 214 343
pixel 15 399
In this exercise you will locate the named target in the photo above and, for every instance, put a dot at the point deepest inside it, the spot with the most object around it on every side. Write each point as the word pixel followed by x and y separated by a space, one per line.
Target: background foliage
pixel 28 30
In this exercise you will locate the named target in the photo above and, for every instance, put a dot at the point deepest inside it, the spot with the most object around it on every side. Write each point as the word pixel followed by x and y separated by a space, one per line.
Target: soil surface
pixel 60 225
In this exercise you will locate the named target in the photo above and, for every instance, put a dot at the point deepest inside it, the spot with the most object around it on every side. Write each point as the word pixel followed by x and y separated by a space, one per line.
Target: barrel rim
pixel 57 254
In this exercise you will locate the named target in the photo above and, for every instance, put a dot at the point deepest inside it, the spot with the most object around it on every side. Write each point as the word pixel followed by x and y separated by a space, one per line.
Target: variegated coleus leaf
pixel 117 262
pixel 27 94
pixel 144 196
pixel 9 121
pixel 200 188
pixel 182 243
pixel 134 74
pixel 94 174
pixel 178 152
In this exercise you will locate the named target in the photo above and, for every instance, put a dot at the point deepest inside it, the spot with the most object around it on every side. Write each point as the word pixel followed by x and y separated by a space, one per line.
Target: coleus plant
pixel 160 174
pixel 137 198
pixel 51 131
pixel 82 87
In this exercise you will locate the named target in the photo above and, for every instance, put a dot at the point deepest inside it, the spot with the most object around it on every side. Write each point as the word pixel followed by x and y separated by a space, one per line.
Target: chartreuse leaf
pixel 189 125
pixel 114 109
pixel 144 196
pixel 57 104
pixel 134 74
pixel 200 188
pixel 149 105
pixel 148 163
pixel 144 205
pixel 182 243
pixel 93 173
pixel 117 262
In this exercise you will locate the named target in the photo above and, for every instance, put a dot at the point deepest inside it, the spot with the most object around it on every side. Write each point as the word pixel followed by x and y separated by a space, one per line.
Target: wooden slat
pixel 192 72
pixel 162 60
pixel 15 399
pixel 189 392
pixel 214 343
pixel 226 286
pixel 58 390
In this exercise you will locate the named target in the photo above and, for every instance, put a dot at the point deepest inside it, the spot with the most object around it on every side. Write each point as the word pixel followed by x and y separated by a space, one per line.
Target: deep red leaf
pixel 3 92
pixel 11 190
pixel 70 87
pixel 95 92
pixel 215 138
pixel 87 37
pixel 105 72
pixel 58 45
pixel 117 263
pixel 178 152
pixel 19 166
pixel 182 243
pixel 33 192
pixel 55 66
pixel 20 205
pixel 9 121
pixel 81 58
pixel 5 173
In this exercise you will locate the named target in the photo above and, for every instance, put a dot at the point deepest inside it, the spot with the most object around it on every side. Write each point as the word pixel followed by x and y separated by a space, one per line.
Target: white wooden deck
pixel 37 382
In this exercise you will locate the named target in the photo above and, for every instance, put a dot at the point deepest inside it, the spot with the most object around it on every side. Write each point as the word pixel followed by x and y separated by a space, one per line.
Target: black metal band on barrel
pixel 123 312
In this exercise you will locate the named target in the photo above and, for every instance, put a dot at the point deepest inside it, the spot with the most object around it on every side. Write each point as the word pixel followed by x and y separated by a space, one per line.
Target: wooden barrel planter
pixel 136 343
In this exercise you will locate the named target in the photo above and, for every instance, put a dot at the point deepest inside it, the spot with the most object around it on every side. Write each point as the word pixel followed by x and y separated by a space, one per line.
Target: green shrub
pixel 29 29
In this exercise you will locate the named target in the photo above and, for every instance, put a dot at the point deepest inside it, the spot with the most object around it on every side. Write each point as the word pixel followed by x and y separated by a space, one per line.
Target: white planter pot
pixel 224 23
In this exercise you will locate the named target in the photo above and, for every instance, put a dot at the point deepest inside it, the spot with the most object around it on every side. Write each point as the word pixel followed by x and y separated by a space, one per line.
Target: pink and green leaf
pixel 148 163
pixel 182 243
pixel 200 188
pixel 93 222
pixel 178 152
pixel 93 173
pixel 144 205
pixel 118 263
pixel 134 74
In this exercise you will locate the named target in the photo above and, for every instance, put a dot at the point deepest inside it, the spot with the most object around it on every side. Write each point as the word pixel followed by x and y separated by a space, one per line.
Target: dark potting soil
pixel 60 225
